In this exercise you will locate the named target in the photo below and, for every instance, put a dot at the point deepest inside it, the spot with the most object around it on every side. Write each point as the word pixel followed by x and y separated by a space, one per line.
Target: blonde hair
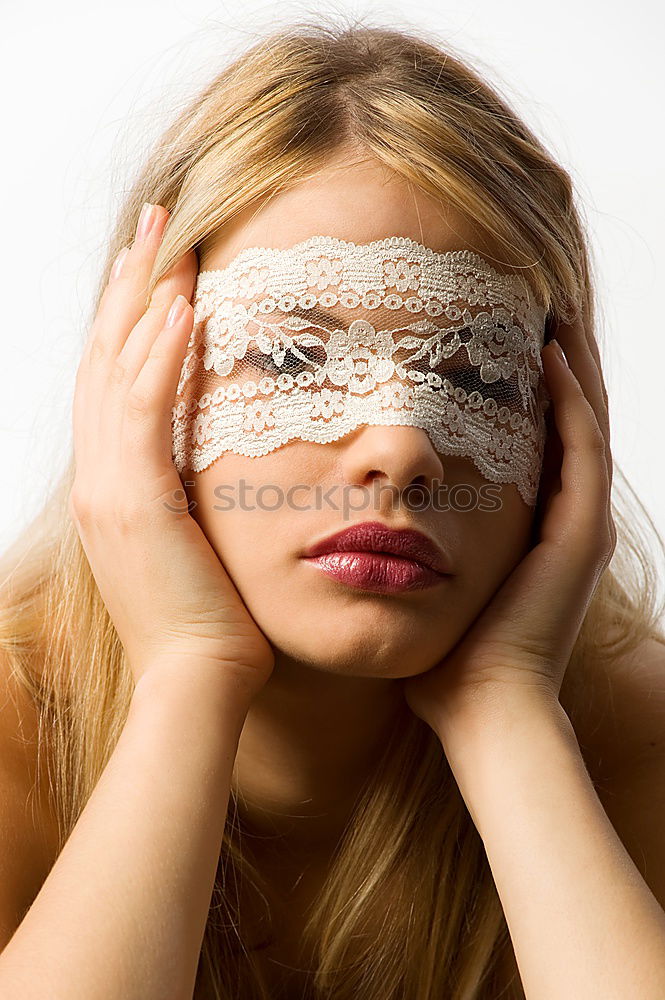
pixel 261 125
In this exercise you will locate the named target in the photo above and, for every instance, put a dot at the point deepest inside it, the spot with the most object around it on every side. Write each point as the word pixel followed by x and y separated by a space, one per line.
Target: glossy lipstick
pixel 372 556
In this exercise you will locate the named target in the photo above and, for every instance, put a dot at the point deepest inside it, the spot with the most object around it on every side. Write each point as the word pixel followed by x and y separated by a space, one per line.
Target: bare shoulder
pixel 624 721
pixel 27 825
pixel 631 785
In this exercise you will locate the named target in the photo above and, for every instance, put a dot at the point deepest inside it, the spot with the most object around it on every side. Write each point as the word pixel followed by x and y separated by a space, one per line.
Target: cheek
pixel 494 541
pixel 308 618
pixel 226 509
pixel 239 506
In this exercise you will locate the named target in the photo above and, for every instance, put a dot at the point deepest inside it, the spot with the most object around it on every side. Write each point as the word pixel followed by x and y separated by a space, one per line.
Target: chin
pixel 364 656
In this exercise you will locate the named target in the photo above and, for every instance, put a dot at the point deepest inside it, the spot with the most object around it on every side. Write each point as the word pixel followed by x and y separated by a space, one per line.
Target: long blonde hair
pixel 261 125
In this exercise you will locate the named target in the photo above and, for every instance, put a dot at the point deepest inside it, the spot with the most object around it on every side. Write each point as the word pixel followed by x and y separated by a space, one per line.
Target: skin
pixel 205 672
pixel 338 651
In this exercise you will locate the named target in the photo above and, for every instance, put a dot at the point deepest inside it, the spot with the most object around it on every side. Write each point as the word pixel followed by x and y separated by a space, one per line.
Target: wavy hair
pixel 410 908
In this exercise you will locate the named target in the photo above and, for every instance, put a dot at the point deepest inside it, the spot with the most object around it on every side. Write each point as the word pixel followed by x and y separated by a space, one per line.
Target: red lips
pixel 372 536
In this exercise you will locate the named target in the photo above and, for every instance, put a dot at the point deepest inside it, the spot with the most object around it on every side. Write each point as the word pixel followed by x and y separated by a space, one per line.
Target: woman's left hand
pixel 524 637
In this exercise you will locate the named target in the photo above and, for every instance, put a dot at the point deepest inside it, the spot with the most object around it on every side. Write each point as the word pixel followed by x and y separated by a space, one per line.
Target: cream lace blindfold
pixel 311 341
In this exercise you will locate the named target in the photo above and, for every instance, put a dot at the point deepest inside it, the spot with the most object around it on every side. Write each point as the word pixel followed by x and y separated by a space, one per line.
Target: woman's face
pixel 241 502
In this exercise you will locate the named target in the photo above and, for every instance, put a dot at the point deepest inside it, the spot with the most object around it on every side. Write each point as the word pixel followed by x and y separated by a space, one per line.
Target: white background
pixel 85 87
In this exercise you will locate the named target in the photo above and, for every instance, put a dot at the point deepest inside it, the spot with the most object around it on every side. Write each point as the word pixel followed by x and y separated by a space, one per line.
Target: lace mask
pixel 312 341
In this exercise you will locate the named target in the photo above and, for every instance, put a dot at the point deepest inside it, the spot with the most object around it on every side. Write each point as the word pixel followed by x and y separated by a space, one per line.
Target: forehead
pixel 357 199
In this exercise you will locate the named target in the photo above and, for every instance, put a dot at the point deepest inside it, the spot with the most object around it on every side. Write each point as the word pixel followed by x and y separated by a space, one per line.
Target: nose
pixel 402 456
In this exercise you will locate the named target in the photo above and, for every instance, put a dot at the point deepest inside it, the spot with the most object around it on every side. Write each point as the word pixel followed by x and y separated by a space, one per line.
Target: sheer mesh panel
pixel 312 341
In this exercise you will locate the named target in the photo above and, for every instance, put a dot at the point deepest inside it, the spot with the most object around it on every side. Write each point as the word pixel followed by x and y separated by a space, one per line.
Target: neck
pixel 309 742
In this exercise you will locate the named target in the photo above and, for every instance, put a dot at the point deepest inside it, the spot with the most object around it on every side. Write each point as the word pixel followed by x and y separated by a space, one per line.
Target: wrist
pixel 198 687
pixel 492 713
pixel 502 738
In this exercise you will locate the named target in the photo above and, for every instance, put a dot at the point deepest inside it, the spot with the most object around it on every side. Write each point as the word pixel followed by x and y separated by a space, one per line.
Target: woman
pixel 433 791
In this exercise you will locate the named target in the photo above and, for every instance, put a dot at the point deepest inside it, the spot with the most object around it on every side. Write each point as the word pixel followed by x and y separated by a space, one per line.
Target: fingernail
pixel 117 263
pixel 559 351
pixel 146 221
pixel 176 310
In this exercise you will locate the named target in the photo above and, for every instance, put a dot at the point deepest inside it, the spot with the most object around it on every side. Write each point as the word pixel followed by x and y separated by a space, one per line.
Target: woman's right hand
pixel 171 600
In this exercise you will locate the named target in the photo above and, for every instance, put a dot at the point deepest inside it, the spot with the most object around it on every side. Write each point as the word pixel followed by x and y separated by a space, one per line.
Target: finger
pixel 582 354
pixel 588 326
pixel 580 513
pixel 595 351
pixel 146 440
pixel 121 305
pixel 180 279
pixel 581 360
pixel 83 430
pixel 550 476
pixel 125 298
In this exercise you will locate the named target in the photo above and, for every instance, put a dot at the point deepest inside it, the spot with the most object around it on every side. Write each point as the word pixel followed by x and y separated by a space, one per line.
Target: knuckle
pixel 160 351
pixel 97 351
pixel 592 546
pixel 596 442
pixel 606 559
pixel 138 403
pixel 119 511
pixel 156 307
pixel 604 549
pixel 127 514
pixel 603 544
pixel 118 372
pixel 81 506
pixel 77 503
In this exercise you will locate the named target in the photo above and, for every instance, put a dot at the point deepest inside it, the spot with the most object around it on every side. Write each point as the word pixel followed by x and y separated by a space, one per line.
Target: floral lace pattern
pixel 314 340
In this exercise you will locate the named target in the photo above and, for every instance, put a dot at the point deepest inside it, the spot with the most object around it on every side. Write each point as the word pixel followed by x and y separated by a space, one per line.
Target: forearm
pixel 122 912
pixel 582 920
